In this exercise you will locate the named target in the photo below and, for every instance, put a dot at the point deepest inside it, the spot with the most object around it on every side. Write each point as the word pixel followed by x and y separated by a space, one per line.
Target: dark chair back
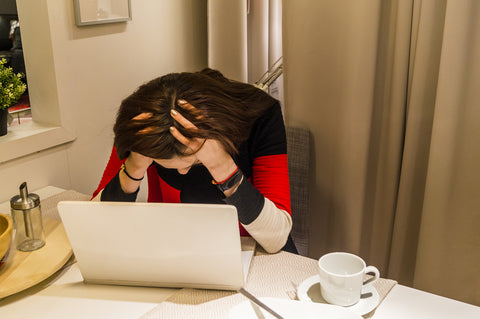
pixel 298 152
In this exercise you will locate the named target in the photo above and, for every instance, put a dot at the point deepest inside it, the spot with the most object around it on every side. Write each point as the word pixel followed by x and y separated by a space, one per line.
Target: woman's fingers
pixel 185 105
pixel 179 136
pixel 142 116
pixel 195 144
pixel 182 121
pixel 190 108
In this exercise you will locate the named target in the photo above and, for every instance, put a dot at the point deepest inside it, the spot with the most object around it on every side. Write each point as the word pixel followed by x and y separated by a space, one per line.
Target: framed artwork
pixel 88 12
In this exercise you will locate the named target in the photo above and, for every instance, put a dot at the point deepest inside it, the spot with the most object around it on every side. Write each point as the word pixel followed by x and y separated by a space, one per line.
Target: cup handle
pixel 376 274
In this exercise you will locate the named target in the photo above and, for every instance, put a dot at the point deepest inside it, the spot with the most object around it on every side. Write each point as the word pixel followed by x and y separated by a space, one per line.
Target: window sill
pixel 30 138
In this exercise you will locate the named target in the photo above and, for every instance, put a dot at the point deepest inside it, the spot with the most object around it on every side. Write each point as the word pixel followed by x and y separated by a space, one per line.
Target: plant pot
pixel 3 122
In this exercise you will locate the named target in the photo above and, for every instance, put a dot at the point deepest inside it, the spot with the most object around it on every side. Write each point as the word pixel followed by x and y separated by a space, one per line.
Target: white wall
pixel 87 71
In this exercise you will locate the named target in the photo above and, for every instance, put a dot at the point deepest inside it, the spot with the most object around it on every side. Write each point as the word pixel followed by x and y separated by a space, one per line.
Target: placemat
pixel 49 204
pixel 271 275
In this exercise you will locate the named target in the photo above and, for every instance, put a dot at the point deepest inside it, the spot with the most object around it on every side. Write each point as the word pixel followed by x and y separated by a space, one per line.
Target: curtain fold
pixel 245 40
pixel 425 48
pixel 227 38
pixel 387 131
pixel 427 172
pixel 389 90
pixel 448 253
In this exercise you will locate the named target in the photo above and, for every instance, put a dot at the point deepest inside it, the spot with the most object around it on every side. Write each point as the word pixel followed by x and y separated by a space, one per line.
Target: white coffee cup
pixel 341 277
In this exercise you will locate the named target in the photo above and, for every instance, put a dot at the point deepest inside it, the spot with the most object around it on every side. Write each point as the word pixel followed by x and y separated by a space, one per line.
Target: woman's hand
pixel 136 165
pixel 136 162
pixel 208 151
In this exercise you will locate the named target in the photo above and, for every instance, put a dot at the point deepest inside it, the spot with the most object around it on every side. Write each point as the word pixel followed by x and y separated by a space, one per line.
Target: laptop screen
pixel 156 244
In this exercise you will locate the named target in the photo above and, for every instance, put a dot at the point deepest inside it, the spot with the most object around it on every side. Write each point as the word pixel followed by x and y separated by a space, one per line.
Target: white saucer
pixel 309 290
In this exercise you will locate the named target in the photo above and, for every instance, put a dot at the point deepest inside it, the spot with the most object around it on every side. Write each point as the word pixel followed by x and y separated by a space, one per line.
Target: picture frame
pixel 89 12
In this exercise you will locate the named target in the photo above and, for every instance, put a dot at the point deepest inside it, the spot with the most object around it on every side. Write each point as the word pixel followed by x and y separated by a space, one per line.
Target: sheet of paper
pixel 248 250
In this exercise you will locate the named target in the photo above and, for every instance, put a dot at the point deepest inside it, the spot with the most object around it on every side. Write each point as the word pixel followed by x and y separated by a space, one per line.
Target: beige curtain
pixel 389 89
pixel 227 38
pixel 245 39
pixel 448 255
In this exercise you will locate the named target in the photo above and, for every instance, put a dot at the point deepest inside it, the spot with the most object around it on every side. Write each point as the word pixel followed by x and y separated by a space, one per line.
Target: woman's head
pixel 224 110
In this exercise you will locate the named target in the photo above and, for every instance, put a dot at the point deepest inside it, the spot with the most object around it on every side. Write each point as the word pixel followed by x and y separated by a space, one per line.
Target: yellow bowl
pixel 6 227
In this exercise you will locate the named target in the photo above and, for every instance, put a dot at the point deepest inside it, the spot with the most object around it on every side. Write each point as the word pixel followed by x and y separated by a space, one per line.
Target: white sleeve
pixel 271 228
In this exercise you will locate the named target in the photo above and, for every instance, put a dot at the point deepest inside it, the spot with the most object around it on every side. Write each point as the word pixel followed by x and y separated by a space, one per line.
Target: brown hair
pixel 225 110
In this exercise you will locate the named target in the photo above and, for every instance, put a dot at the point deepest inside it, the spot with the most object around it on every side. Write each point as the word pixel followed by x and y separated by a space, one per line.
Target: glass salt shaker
pixel 27 220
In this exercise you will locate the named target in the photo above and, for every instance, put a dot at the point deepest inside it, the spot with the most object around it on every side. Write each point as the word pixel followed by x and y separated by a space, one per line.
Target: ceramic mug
pixel 341 277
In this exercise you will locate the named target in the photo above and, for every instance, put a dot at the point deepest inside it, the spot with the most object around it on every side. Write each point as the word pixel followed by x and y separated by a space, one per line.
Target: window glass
pixel 11 50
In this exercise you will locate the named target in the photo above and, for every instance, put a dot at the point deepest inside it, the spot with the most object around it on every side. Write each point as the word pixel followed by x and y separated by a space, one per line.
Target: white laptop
pixel 156 244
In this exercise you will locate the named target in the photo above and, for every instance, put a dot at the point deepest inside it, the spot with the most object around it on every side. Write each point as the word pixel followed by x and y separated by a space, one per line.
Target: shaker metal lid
pixel 24 200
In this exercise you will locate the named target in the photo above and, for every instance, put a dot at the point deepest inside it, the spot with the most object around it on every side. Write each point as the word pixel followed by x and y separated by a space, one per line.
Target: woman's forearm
pixel 128 184
pixel 261 218
pixel 271 228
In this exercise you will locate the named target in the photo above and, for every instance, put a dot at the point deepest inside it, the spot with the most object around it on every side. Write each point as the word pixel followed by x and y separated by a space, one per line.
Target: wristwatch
pixel 230 182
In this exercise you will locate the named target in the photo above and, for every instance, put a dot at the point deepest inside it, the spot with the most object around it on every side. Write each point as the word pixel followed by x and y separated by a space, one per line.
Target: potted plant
pixel 11 89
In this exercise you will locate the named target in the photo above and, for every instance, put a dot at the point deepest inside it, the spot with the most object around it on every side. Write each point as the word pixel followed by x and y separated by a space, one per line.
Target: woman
pixel 202 138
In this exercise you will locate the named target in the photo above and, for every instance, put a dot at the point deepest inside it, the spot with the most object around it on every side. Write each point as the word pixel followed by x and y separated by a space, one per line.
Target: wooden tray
pixel 23 270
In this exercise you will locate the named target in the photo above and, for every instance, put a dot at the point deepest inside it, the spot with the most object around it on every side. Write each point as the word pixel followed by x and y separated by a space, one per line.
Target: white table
pixel 404 302
pixel 65 296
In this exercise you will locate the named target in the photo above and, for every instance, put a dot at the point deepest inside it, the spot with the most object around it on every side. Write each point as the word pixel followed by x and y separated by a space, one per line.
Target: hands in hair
pixel 209 152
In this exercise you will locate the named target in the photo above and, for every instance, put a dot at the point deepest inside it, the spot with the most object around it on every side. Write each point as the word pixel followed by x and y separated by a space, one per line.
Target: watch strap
pixel 230 182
